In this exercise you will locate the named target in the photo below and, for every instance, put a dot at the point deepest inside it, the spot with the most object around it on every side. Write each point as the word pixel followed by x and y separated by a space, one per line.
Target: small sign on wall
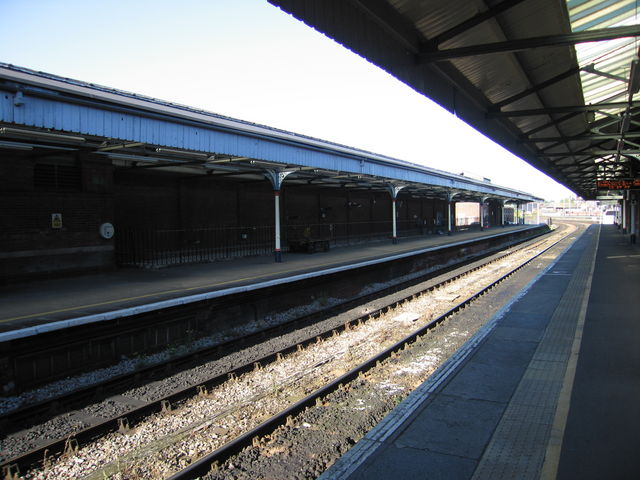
pixel 56 220
pixel 106 231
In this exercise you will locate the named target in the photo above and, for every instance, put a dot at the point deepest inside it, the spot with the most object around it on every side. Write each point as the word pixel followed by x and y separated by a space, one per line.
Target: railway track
pixel 34 410
pixel 124 423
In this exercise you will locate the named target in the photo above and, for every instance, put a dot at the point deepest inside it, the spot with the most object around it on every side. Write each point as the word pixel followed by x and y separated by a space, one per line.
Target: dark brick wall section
pixel 28 242
pixel 255 204
pixel 157 200
pixel 16 173
pixel 146 199
pixel 332 204
pixel 88 191
pixel 301 205
pixel 209 201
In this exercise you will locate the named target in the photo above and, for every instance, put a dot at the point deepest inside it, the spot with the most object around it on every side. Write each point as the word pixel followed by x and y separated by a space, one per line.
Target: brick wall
pixel 76 188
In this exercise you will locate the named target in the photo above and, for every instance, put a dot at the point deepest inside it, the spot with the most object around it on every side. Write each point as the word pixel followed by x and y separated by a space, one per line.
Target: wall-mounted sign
pixel 56 220
pixel 106 231
pixel 618 184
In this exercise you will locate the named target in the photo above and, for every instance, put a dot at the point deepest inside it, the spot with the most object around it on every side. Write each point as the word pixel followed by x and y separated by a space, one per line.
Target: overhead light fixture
pixel 119 146
pixel 214 159
pixel 142 158
pixel 15 145
pixel 223 168
pixel 18 132
pixel 135 158
pixel 31 146
pixel 263 162
pixel 171 151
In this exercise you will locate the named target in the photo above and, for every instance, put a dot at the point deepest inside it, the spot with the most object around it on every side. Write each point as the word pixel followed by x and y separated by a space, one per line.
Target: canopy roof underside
pixel 553 81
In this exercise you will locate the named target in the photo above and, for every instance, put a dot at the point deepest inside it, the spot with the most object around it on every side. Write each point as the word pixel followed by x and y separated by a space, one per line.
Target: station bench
pixel 309 245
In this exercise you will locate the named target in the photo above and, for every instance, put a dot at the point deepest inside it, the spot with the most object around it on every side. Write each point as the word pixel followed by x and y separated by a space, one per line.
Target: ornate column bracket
pixel 276 177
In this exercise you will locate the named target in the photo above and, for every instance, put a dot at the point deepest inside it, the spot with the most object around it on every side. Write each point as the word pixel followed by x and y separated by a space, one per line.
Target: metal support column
pixel 393 191
pixel 625 212
pixel 481 211
pixel 394 235
pixel 276 177
pixel 278 249
pixel 633 217
pixel 520 214
pixel 504 204
pixel 449 214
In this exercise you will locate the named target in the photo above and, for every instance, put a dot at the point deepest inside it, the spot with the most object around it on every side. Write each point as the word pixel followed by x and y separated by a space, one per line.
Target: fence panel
pixel 142 247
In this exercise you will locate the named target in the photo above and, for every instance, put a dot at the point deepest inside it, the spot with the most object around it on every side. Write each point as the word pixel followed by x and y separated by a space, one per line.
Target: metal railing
pixel 159 247
pixel 145 247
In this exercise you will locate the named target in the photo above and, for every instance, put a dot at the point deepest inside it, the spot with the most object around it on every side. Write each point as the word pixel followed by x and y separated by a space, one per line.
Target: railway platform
pixel 549 388
pixel 42 302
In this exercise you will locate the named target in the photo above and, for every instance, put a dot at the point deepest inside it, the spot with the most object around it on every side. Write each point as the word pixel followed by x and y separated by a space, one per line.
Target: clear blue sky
pixel 247 59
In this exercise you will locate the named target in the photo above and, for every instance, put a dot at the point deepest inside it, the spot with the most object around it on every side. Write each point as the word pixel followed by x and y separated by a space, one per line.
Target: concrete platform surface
pixel 44 301
pixel 549 388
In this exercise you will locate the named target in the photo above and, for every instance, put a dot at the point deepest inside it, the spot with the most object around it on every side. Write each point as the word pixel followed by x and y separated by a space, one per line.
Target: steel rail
pixel 40 455
pixel 22 416
pixel 205 464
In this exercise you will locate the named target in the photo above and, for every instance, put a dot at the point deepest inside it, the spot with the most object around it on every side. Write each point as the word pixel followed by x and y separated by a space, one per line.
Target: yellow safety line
pixel 554 447
pixel 70 309
pixel 109 302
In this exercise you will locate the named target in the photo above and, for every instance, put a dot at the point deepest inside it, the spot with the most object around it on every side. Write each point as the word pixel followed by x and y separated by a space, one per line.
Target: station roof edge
pixel 105 94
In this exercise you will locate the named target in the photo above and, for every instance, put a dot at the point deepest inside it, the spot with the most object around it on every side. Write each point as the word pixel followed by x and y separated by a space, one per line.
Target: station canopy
pixel 44 116
pixel 553 81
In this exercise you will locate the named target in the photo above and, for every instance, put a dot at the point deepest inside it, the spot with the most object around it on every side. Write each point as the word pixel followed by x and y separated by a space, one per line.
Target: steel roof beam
pixel 537 88
pixel 168 164
pixel 593 153
pixel 564 109
pixel 510 46
pixel 550 124
pixel 592 69
pixel 471 22
pixel 575 138
pixel 594 144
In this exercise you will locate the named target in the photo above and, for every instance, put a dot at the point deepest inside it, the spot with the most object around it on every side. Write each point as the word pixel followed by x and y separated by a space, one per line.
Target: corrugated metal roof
pixel 605 77
pixel 509 68
pixel 203 141
pixel 612 58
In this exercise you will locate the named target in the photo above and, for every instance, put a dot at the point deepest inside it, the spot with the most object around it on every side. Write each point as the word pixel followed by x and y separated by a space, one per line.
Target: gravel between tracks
pixel 320 435
pixel 181 453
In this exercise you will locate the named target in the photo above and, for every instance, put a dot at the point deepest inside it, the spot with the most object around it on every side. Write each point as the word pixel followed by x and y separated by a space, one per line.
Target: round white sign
pixel 106 231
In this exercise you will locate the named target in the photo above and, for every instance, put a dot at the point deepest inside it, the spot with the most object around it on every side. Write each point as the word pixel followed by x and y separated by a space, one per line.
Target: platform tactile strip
pixel 518 445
